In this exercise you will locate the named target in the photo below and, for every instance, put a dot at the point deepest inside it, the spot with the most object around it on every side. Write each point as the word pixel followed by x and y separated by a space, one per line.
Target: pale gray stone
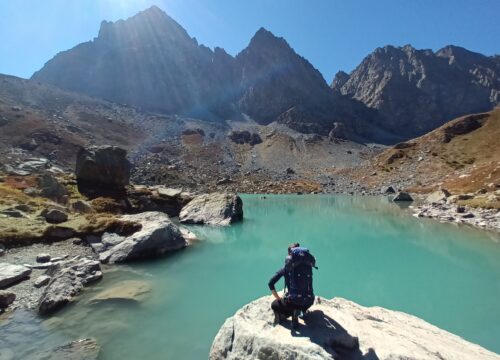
pixel 338 329
pixel 213 209
pixel 10 274
pixel 157 236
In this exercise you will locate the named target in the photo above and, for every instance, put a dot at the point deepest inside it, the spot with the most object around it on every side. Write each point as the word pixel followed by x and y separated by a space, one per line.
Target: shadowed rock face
pixel 149 61
pixel 337 329
pixel 101 168
pixel 416 91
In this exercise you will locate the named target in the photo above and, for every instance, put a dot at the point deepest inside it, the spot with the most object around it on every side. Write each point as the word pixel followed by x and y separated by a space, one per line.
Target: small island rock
pixel 213 209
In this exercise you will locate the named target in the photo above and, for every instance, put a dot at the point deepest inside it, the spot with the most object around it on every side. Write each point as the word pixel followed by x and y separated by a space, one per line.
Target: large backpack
pixel 299 268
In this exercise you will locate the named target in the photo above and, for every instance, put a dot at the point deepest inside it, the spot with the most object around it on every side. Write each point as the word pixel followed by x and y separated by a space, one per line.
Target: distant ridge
pixel 416 91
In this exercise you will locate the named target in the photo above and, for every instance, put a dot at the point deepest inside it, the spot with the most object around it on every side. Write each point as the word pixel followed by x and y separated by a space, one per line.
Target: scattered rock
pixel 244 137
pixel 10 274
pixel 169 193
pixel 54 216
pixel 128 290
pixel 213 209
pixel 388 190
pixel 157 236
pixel 460 209
pixel 102 168
pixel 338 329
pixel 290 171
pixel 41 281
pixel 51 188
pixel 68 279
pixel 23 207
pixel 438 196
pixel 82 207
pixel 402 196
pixel 13 213
pixel 224 181
pixel 43 258
pixel 468 216
pixel 58 233
pixel 193 132
pixel 6 298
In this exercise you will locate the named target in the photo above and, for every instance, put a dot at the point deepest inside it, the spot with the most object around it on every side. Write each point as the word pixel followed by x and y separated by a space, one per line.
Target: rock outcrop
pixel 102 168
pixel 338 329
pixel 213 209
pixel 156 236
pixel 68 278
pixel 416 91
pixel 10 274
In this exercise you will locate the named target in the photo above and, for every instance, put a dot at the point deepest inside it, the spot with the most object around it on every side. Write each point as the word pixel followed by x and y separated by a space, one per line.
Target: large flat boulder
pixel 338 329
pixel 157 236
pixel 68 278
pixel 102 168
pixel 213 209
pixel 10 274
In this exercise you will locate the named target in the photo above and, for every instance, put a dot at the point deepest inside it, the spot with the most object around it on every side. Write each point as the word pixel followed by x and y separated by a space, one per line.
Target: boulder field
pixel 338 329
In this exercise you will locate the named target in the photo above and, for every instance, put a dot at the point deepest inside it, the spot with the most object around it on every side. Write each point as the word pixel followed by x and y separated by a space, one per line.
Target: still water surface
pixel 367 250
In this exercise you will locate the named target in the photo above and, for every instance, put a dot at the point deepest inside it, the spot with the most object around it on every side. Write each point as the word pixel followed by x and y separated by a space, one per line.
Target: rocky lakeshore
pixel 478 210
pixel 57 234
pixel 338 329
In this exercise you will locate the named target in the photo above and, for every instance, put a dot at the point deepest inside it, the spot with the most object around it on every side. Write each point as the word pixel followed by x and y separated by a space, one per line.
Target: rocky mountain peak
pixel 341 77
pixel 416 90
pixel 151 26
pixel 265 42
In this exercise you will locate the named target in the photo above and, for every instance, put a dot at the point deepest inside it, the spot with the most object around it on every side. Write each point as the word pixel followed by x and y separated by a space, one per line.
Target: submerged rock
pixel 68 279
pixel 85 349
pixel 338 329
pixel 128 290
pixel 213 209
pixel 10 274
pixel 157 236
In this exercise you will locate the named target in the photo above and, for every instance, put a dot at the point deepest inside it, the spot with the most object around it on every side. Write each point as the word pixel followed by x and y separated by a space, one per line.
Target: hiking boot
pixel 295 319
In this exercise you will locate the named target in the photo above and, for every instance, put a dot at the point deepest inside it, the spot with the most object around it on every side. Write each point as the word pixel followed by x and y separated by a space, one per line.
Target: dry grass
pixel 466 163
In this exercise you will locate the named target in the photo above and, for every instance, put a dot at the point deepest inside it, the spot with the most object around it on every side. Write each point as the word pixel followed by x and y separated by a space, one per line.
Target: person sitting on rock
pixel 299 294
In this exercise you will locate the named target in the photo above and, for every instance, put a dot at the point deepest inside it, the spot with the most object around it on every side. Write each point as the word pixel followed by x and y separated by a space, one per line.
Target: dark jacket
pixel 279 274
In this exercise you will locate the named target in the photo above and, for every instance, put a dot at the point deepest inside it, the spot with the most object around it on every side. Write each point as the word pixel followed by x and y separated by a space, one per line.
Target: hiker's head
pixel 291 246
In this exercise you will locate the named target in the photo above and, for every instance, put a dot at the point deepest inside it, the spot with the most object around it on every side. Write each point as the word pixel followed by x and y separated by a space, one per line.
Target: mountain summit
pixel 416 91
pixel 149 61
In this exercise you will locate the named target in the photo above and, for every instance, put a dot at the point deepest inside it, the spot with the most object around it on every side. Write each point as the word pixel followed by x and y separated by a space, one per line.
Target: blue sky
pixel 332 34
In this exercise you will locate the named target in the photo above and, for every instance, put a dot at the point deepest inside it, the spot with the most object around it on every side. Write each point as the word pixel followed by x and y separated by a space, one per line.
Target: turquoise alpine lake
pixel 368 250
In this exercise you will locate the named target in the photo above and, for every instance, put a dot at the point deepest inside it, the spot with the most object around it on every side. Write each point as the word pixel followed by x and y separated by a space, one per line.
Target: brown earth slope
pixel 462 156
